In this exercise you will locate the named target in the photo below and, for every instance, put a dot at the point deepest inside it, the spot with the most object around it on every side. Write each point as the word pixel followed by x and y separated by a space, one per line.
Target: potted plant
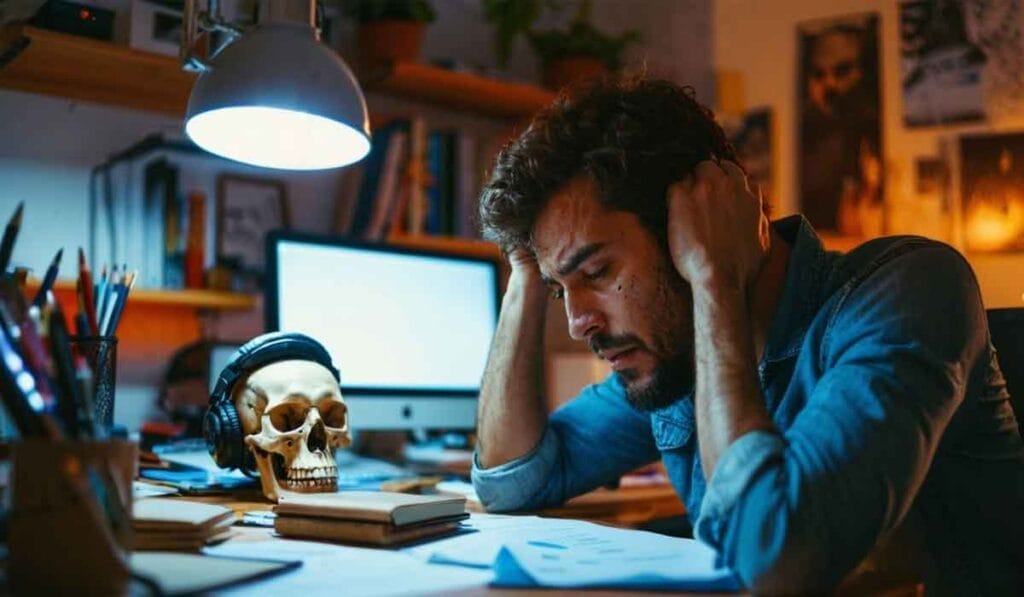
pixel 579 52
pixel 390 30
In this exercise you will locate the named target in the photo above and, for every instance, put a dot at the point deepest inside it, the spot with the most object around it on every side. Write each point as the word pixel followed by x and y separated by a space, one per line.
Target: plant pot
pixel 573 69
pixel 381 42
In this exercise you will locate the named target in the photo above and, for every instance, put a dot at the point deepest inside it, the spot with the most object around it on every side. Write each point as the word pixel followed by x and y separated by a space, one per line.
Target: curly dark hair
pixel 634 136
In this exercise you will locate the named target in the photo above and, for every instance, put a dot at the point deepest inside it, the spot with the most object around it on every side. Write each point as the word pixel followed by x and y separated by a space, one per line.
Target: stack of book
pixel 369 517
pixel 179 525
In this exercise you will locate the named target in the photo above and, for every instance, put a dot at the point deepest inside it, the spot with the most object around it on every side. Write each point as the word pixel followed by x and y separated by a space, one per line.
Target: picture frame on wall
pixel 992 192
pixel 155 27
pixel 840 134
pixel 941 67
pixel 248 208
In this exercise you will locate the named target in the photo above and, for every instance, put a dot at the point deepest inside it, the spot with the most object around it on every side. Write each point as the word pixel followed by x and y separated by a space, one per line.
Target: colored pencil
pixel 10 235
pixel 48 280
pixel 88 297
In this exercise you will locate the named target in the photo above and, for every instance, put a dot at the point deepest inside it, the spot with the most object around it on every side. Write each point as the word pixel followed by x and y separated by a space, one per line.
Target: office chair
pixel 1007 329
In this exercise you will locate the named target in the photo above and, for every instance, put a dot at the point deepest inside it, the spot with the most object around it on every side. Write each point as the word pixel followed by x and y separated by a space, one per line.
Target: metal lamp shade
pixel 280 99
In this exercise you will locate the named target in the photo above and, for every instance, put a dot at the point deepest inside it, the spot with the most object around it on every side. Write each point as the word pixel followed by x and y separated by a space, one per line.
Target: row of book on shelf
pixel 415 181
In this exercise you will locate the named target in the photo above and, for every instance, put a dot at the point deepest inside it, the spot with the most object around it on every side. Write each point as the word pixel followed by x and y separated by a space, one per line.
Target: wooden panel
pixel 448 244
pixel 458 90
pixel 90 70
pixel 182 299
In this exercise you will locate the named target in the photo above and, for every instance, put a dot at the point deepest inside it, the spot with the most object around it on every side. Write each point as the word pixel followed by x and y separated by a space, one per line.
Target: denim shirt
pixel 891 421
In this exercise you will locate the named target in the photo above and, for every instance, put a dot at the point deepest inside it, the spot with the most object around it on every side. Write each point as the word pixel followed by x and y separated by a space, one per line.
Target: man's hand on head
pixel 523 261
pixel 717 230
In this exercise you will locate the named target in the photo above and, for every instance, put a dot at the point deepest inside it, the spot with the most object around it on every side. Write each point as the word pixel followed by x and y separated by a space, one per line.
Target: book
pixel 176 514
pixel 397 509
pixel 178 525
pixel 356 531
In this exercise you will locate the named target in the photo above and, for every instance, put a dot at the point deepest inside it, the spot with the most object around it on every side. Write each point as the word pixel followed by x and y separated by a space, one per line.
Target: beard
pixel 674 372
pixel 669 382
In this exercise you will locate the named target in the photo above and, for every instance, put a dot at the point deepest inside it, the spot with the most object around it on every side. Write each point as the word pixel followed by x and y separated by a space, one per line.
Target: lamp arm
pixel 194 23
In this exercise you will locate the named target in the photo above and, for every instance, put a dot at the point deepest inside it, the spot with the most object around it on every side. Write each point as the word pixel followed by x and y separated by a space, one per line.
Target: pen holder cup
pixel 70 520
pixel 101 354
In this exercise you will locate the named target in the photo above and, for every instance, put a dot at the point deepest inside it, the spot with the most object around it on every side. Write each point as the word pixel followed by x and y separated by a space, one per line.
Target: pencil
pixel 10 234
pixel 85 276
pixel 48 279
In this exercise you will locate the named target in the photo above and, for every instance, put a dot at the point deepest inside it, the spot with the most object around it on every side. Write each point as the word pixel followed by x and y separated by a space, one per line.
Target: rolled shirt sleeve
pixel 794 512
pixel 591 441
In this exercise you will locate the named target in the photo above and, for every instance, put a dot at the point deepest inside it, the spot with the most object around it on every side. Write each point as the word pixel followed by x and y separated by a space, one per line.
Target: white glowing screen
pixel 390 320
pixel 277 138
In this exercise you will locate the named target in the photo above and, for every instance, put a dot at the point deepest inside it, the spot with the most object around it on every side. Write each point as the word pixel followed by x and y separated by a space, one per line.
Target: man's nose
pixel 584 317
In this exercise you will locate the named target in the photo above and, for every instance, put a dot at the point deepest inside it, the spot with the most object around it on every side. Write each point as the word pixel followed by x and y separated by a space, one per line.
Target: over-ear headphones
pixel 221 427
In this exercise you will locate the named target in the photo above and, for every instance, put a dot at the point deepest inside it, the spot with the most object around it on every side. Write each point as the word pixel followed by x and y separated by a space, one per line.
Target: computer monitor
pixel 409 330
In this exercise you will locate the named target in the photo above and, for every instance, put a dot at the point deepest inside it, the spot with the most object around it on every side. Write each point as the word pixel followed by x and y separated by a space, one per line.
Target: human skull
pixel 293 417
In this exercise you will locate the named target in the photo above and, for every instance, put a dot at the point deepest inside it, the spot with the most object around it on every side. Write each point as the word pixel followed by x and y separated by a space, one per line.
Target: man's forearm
pixel 728 395
pixel 511 415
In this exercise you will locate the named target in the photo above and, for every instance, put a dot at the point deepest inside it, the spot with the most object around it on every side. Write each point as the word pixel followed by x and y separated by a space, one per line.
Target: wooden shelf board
pixel 90 70
pixel 84 69
pixel 457 90
pixel 194 299
pixel 448 244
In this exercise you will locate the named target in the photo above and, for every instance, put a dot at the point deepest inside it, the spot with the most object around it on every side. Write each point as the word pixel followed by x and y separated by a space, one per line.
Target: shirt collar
pixel 805 274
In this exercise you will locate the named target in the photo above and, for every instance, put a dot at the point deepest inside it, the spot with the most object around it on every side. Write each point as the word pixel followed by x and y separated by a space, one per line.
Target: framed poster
pixel 940 67
pixel 992 192
pixel 840 126
pixel 247 209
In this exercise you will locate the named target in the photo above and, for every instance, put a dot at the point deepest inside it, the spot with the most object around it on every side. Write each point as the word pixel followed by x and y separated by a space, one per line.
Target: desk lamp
pixel 273 95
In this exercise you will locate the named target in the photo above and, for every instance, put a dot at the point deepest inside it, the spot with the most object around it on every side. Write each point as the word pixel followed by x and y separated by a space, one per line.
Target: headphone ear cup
pixel 223 434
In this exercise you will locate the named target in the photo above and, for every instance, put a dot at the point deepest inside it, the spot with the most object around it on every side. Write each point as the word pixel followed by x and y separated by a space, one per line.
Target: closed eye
pixel 596 274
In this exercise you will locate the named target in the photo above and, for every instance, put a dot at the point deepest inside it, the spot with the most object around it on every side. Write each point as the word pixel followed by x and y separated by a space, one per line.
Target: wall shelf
pixel 188 299
pixel 62 65
pixel 457 90
pixel 448 244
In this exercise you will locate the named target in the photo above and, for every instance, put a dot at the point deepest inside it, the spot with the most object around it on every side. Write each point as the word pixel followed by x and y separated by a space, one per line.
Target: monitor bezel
pixel 272 320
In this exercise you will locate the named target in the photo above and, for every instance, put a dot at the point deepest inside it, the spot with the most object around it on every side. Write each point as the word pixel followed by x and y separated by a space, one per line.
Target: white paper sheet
pixel 340 569
pixel 595 556
pixel 480 549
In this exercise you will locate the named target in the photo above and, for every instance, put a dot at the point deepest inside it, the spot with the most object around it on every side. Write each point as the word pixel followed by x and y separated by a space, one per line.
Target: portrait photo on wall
pixel 940 67
pixel 247 209
pixel 751 137
pixel 992 192
pixel 840 126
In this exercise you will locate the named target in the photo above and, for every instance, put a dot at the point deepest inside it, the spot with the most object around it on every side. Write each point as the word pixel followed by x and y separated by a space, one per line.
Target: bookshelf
pixel 51 63
pixel 214 300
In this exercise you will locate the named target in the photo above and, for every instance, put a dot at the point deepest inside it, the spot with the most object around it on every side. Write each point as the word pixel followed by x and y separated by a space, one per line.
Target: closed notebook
pixel 355 531
pixel 397 509
pixel 171 514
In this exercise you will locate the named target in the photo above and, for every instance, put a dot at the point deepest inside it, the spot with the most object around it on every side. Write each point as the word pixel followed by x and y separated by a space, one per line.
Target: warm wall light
pixel 276 98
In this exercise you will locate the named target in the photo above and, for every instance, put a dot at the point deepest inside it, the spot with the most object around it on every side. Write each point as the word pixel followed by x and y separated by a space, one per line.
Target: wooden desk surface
pixel 620 507
pixel 626 507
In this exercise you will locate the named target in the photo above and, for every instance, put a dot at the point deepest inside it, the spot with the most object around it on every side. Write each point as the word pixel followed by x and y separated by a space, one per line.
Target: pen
pixel 85 277
pixel 10 234
pixel 48 280
pixel 18 392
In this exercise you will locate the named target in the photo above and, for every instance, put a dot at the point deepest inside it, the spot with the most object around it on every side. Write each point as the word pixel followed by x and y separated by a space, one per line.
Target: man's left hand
pixel 717 230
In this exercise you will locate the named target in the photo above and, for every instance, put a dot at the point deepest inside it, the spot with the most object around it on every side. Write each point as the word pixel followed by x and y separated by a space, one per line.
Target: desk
pixel 620 507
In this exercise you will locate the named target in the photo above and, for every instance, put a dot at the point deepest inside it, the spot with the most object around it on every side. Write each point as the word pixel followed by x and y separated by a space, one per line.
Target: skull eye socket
pixel 334 413
pixel 288 417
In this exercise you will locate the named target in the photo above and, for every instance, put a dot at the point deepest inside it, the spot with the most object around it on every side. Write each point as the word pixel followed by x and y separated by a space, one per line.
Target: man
pixel 809 408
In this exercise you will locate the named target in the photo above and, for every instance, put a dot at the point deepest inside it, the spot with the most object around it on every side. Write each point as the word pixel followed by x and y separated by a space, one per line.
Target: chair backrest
pixel 1007 329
